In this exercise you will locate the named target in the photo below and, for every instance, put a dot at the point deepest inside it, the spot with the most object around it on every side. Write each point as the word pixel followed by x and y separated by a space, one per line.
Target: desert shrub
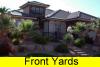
pixel 61 48
pixel 16 37
pixel 40 39
pixel 79 42
pixel 25 25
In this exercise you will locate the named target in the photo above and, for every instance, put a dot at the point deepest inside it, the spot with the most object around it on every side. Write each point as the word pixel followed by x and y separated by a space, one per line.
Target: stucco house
pixel 51 23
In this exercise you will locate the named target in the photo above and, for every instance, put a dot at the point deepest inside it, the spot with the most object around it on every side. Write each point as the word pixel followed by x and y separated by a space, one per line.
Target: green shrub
pixel 68 37
pixel 61 48
pixel 79 42
pixel 40 39
pixel 25 25
pixel 16 37
pixel 81 26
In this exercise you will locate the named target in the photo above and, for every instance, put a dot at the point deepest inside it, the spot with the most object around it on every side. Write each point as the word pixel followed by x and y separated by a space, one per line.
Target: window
pixel 41 10
pixel 33 9
pixel 37 10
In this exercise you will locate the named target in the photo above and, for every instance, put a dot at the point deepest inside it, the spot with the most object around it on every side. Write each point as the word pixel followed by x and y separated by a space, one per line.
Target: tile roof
pixel 16 12
pixel 48 11
pixel 80 15
pixel 59 14
pixel 34 3
pixel 19 13
pixel 73 15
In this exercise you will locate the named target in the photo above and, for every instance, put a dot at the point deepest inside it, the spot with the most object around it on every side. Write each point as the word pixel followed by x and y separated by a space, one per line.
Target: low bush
pixel 61 48
pixel 16 37
pixel 40 39
pixel 79 42
pixel 68 37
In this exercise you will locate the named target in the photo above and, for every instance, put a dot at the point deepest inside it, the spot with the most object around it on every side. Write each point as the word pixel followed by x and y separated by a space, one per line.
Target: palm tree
pixel 3 10
pixel 5 24
pixel 25 27
pixel 5 20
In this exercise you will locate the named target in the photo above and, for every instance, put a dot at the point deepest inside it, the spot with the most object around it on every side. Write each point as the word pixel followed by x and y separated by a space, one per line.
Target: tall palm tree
pixel 5 20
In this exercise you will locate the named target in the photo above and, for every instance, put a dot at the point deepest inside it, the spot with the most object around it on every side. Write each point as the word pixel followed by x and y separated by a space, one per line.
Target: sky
pixel 91 7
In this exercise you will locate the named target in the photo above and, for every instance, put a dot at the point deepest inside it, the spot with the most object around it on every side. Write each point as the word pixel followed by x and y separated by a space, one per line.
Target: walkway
pixel 77 51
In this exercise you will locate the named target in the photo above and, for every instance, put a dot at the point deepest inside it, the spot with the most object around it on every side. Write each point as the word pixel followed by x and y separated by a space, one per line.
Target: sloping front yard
pixel 33 49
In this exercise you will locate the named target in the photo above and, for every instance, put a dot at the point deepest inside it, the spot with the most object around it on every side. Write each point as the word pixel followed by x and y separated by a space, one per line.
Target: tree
pixel 5 20
pixel 5 23
pixel 3 10
pixel 79 27
pixel 97 23
pixel 27 27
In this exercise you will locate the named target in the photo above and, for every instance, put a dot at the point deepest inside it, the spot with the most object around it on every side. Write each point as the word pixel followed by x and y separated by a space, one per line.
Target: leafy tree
pixel 79 27
pixel 97 23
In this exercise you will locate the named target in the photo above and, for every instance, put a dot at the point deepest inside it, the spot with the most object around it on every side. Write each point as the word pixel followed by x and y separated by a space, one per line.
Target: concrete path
pixel 77 51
